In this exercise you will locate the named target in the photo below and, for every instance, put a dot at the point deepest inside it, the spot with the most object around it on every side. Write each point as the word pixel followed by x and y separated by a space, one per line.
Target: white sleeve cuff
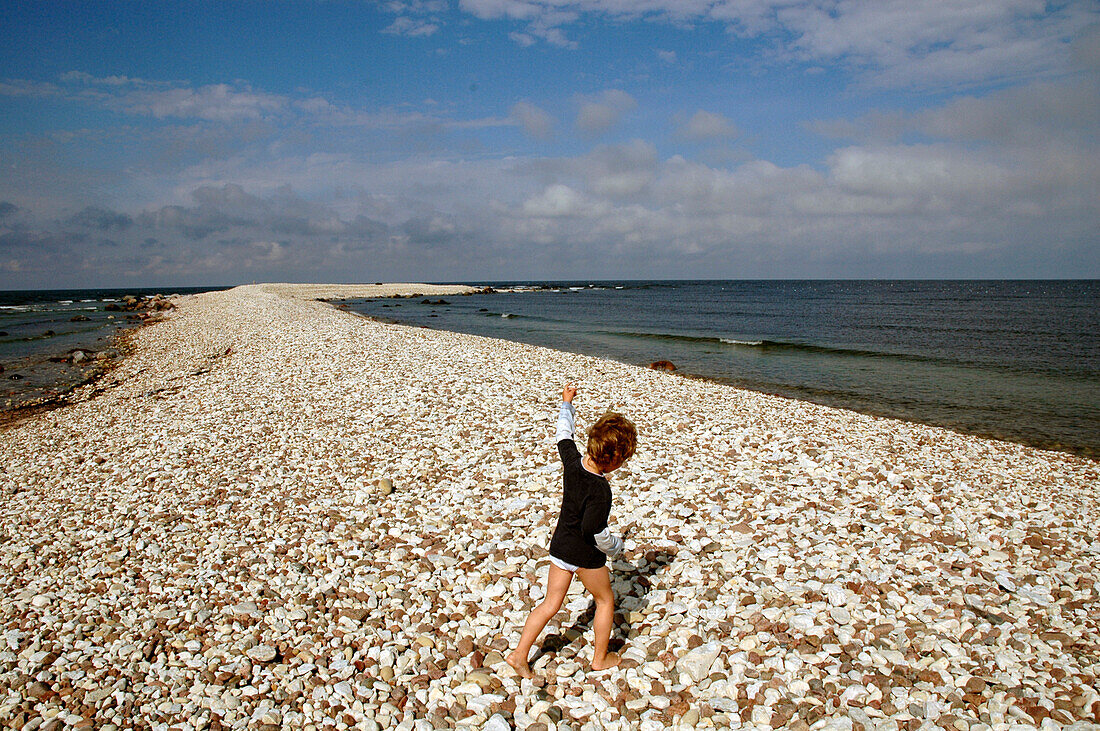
pixel 610 544
pixel 565 427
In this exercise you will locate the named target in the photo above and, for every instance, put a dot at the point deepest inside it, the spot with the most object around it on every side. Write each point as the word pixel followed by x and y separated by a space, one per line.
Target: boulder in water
pixel 662 365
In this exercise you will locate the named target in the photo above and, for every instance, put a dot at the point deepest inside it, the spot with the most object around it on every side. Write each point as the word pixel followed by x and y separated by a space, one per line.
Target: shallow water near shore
pixel 37 325
pixel 1016 360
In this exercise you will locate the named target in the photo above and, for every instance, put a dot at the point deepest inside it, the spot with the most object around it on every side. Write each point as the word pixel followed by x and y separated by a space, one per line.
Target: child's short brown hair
pixel 611 441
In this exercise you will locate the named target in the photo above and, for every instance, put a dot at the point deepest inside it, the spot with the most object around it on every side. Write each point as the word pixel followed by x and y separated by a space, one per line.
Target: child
pixel 582 541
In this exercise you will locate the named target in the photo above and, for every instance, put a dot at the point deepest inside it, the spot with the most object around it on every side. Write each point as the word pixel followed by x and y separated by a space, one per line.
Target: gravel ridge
pixel 277 514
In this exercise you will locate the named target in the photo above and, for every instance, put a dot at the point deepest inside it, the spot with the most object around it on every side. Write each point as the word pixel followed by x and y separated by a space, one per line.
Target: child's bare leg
pixel 557 584
pixel 598 583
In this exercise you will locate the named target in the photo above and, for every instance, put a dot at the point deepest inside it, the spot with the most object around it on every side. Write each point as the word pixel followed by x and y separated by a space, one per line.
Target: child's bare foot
pixel 519 665
pixel 610 660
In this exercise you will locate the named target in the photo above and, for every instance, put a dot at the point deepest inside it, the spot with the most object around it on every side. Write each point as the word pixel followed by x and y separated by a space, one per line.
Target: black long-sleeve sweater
pixel 585 508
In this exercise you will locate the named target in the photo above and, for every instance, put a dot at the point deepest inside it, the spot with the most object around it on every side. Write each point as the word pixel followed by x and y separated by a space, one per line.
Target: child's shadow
pixel 640 575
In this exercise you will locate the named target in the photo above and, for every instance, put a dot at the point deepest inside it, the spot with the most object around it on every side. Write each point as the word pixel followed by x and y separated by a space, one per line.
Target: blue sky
pixel 214 143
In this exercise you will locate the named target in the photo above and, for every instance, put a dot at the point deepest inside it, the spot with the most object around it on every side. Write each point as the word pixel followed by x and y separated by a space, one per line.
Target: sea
pixel 1012 360
pixel 38 328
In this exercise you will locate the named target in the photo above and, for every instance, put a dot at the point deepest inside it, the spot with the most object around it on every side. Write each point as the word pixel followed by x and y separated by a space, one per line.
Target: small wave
pixel 64 302
pixel 87 300
pixel 15 308
pixel 778 346
pixel 665 336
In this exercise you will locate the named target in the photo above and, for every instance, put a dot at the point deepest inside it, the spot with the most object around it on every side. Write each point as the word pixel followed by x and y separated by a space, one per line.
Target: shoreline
pixel 1083 452
pixel 65 391
pixel 207 539
pixel 60 389
pixel 326 292
pixel 77 357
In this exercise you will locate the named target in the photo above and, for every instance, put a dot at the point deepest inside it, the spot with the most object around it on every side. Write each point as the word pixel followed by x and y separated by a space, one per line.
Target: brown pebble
pixel 975 685
pixel 37 690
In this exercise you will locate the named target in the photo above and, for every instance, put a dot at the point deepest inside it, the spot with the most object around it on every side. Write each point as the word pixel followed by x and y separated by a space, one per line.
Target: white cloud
pixel 668 57
pixel 1001 184
pixel 266 252
pixel 524 39
pixel 535 121
pixel 411 27
pixel 215 102
pixel 892 42
pixel 1030 115
pixel 603 111
pixel 416 6
pixel 229 104
pixel 544 19
pixel 623 209
pixel 1086 48
pixel 705 125
pixel 900 42
pixel 82 77
pixel 25 88
pixel 555 201
pixel 619 172
pixel 415 18
pixel 919 177
pixel 1033 115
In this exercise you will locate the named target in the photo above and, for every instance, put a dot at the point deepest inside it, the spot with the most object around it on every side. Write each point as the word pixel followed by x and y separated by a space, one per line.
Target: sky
pixel 218 143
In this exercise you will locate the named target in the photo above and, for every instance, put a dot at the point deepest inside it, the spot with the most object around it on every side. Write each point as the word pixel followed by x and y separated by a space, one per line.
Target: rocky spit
pixel 276 514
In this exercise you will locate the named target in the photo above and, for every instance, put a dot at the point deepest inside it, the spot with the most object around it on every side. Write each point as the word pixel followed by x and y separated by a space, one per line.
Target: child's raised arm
pixel 565 427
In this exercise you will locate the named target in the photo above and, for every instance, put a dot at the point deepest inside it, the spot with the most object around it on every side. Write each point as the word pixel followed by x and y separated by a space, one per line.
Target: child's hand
pixel 568 393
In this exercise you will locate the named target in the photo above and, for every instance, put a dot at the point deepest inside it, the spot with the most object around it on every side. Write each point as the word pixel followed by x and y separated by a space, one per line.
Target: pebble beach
pixel 277 514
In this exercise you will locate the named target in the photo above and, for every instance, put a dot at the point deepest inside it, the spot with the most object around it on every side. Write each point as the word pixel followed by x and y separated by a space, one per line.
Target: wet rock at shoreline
pixel 131 303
